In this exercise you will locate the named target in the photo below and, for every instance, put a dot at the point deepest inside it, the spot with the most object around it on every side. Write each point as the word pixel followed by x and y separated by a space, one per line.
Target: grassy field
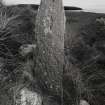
pixel 84 49
pixel 84 52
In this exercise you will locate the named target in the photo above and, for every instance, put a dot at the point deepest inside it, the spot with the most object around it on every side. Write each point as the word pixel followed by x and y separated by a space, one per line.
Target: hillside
pixel 83 49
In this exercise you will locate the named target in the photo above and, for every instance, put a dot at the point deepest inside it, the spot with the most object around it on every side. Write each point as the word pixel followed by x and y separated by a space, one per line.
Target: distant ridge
pixel 35 7
pixel 72 8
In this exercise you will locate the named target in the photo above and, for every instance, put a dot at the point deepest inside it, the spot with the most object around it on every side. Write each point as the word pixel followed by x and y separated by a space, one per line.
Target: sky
pixel 89 5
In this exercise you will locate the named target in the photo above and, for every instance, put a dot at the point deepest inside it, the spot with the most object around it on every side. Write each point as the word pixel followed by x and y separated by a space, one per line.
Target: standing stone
pixel 50 29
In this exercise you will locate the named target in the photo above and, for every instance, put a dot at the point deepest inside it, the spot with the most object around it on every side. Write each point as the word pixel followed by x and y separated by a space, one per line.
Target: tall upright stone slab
pixel 50 28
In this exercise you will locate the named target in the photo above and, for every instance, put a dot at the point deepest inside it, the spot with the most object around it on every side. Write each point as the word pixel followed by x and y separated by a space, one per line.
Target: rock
pixel 50 29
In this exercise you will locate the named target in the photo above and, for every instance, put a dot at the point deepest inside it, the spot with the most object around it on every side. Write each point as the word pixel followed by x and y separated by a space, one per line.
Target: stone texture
pixel 50 28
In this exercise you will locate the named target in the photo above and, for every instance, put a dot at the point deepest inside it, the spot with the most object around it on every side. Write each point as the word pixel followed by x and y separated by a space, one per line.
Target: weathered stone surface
pixel 83 102
pixel 27 97
pixel 50 28
pixel 30 98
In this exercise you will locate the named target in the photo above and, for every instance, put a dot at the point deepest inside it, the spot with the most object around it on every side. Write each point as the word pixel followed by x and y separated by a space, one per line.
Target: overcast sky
pixel 93 5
